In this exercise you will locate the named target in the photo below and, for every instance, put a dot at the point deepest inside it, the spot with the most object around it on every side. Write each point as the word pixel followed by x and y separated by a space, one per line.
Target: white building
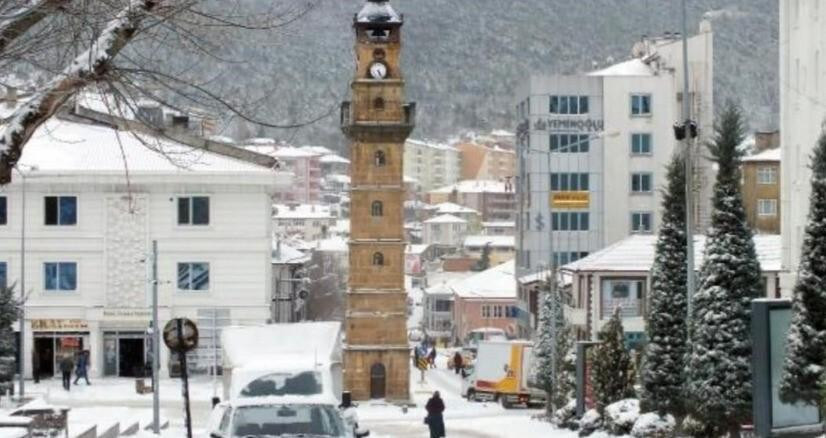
pixel 90 219
pixel 445 230
pixel 802 116
pixel 305 221
pixel 432 165
pixel 593 149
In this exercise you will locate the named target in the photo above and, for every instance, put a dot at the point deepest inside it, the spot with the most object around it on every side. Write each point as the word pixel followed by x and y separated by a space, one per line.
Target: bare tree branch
pixel 24 18
pixel 86 68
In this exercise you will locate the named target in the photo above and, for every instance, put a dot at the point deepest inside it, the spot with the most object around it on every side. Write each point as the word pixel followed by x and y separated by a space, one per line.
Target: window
pixel 377 209
pixel 767 207
pixel 442 306
pixel 485 311
pixel 4 274
pixel 4 214
pixel 193 210
pixel 570 143
pixel 497 312
pixel 766 175
pixel 193 276
pixel 378 259
pixel 562 258
pixel 381 159
pixel 60 276
pixel 569 105
pixel 378 103
pixel 570 221
pixel 641 222
pixel 625 293
pixel 640 104
pixel 640 144
pixel 61 210
pixel 569 182
pixel 641 182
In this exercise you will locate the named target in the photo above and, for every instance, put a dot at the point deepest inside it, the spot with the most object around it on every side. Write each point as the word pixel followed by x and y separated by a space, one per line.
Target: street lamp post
pixel 689 174
pixel 22 312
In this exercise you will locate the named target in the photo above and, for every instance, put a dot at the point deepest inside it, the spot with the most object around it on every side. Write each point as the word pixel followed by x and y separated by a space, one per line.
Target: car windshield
pixel 268 421
pixel 276 384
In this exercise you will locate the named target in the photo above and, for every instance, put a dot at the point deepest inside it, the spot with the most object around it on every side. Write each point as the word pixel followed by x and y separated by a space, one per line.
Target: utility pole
pixel 156 329
pixel 22 313
pixel 689 174
pixel 551 277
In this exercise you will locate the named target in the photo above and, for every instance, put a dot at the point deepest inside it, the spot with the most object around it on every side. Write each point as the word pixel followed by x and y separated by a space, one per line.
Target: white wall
pixel 802 114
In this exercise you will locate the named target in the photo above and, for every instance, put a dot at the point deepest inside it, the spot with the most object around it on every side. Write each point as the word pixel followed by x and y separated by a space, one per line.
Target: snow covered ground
pixel 110 398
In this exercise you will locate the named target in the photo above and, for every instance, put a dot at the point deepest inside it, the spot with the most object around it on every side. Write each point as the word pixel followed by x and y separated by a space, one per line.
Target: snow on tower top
pixel 378 11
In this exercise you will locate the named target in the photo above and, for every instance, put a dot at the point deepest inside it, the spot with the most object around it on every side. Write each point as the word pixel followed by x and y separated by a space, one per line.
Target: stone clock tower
pixel 377 121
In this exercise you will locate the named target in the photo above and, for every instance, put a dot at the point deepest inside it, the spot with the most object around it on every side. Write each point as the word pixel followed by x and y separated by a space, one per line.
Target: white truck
pixel 500 372
pixel 282 380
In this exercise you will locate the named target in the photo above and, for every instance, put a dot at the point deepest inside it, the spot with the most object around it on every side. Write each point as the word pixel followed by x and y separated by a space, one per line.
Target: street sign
pixel 180 335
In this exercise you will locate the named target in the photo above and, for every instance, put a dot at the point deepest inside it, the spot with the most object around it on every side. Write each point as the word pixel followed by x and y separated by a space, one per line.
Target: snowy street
pixel 115 399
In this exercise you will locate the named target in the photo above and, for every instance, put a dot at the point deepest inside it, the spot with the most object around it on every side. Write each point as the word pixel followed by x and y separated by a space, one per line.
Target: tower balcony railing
pixel 348 121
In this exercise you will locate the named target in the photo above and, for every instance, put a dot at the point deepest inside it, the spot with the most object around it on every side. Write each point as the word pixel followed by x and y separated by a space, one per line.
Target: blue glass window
pixel 193 276
pixel 641 183
pixel 60 210
pixel 568 105
pixel 60 276
pixel 4 214
pixel 640 144
pixel 641 222
pixel 570 221
pixel 640 104
pixel 193 210
pixel 4 274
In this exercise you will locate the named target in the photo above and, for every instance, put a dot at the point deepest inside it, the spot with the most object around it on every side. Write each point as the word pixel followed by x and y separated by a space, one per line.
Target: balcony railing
pixel 348 122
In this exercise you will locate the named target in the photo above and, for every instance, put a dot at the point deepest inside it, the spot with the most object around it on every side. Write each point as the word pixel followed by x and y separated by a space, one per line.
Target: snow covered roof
pixel 333 244
pixel 475 186
pixel 445 219
pixel 260 141
pixel 440 281
pixel 278 344
pixel 318 150
pixel 416 249
pixel 451 208
pixel 333 158
pixel 343 179
pixel 64 146
pixel 632 67
pixel 502 133
pixel 427 144
pixel 496 282
pixel 636 254
pixel 501 224
pixel 494 241
pixel 283 254
pixel 301 211
pixel 378 12
pixel 767 155
pixel 293 152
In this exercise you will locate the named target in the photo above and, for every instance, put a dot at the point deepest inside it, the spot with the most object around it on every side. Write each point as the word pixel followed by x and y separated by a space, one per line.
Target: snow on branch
pixel 18 21
pixel 88 67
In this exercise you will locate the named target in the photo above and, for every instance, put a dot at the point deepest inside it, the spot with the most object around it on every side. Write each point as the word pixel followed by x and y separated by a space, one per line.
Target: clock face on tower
pixel 378 70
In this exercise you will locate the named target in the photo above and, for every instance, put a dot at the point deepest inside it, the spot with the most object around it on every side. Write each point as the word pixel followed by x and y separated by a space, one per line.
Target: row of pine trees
pixel 697 369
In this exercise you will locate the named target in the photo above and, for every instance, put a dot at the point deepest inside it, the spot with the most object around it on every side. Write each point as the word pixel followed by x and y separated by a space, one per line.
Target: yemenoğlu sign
pixel 580 125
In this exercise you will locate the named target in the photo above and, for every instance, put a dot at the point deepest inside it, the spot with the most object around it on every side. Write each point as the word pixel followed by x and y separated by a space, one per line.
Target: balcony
pixel 360 128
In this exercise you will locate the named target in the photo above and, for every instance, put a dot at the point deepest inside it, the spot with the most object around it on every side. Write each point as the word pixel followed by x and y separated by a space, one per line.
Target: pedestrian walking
pixel 431 357
pixel 66 366
pixel 435 407
pixel 82 367
pixel 458 362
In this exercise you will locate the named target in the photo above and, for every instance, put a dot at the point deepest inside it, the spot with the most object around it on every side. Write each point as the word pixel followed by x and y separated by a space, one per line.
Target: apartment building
pixel 431 165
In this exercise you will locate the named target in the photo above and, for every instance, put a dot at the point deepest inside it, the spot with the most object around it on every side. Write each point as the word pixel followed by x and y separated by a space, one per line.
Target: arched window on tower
pixel 378 104
pixel 380 158
pixel 378 259
pixel 377 209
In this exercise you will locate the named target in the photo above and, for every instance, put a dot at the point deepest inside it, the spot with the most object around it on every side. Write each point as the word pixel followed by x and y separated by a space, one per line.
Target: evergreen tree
pixel 559 390
pixel 662 373
pixel 803 370
pixel 484 261
pixel 719 365
pixel 611 367
pixel 8 314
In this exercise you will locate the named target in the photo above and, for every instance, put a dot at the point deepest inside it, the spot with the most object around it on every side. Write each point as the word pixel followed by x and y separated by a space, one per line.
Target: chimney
pixel 766 140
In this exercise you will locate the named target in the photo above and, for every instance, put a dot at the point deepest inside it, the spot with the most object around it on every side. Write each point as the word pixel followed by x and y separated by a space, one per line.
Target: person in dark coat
pixel 66 366
pixel 458 362
pixel 431 357
pixel 82 368
pixel 435 407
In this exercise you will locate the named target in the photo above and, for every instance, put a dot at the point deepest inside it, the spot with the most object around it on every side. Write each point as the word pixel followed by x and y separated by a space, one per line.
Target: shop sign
pixel 569 125
pixel 132 314
pixel 570 200
pixel 59 324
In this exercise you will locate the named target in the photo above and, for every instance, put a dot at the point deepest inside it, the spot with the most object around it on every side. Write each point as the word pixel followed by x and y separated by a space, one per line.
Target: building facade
pixel 802 116
pixel 491 162
pixel 377 121
pixel 761 191
pixel 305 221
pixel 432 165
pixel 88 245
pixel 592 150
pixel 494 200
